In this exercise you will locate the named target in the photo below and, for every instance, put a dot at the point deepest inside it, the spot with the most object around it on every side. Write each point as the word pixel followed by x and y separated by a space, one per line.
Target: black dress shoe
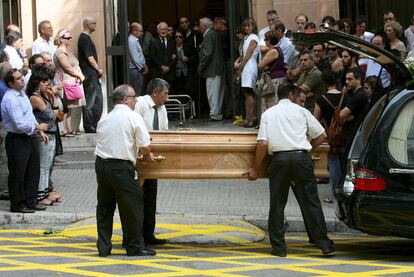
pixel 328 250
pixel 142 252
pixel 280 253
pixel 155 241
pixel 24 210
pixel 39 207
pixel 90 130
pixel 104 254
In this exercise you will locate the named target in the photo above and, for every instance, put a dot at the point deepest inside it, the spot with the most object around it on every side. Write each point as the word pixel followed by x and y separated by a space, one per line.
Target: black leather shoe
pixel 104 254
pixel 38 207
pixel 143 252
pixel 328 250
pixel 24 210
pixel 155 241
pixel 280 253
pixel 90 130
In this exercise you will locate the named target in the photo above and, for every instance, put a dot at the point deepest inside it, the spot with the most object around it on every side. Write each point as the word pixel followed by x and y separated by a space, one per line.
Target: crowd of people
pixel 37 111
pixel 44 97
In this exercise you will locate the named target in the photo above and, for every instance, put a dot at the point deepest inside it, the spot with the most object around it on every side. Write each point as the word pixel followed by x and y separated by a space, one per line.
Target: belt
pixel 291 151
pixel 18 134
pixel 113 160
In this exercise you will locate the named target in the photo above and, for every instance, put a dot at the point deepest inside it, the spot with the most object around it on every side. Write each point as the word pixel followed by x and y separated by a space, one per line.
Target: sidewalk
pixel 209 199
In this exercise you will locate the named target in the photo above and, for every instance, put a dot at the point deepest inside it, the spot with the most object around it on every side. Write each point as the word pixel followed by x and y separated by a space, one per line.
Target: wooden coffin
pixel 210 155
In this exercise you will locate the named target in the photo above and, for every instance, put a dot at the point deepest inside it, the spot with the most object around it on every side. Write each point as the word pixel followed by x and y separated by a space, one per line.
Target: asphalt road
pixel 70 251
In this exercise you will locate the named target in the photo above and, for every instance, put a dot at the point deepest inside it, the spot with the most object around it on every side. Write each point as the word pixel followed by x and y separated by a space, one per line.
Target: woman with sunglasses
pixel 68 70
pixel 186 63
pixel 334 59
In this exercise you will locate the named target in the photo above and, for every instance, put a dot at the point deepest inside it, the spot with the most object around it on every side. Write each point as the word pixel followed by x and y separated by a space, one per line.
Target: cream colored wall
pixel 67 14
pixel 288 9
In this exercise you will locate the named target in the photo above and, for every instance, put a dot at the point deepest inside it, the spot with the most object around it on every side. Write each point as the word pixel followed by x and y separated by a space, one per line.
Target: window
pixel 401 140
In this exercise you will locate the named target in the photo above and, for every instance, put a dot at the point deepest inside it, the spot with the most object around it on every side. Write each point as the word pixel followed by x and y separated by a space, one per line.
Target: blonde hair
pixel 58 39
pixel 398 29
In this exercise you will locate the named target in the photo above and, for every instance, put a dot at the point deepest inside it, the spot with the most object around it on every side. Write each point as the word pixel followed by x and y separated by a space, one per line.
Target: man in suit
pixel 162 55
pixel 211 67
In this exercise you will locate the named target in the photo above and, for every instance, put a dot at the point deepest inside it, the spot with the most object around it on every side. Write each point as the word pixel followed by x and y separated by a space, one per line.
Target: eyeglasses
pixel 131 96
pixel 332 49
pixel 68 38
pixel 92 23
pixel 389 30
pixel 178 36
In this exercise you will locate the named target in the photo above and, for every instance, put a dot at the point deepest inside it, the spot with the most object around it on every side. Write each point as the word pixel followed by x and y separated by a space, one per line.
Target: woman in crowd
pixel 45 109
pixel 14 48
pixel 394 30
pixel 273 63
pixel 324 112
pixel 68 70
pixel 372 86
pixel 247 67
pixel 334 59
pixel 186 63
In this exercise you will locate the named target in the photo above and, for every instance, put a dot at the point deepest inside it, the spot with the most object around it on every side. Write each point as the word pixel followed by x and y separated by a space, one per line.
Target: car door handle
pixel 401 171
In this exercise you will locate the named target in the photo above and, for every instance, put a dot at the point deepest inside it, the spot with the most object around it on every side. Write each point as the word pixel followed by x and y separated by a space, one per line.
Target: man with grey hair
pixel 151 107
pixel 211 67
pixel 137 65
pixel 88 61
pixel 44 42
pixel 271 17
pixel 310 81
pixel 119 137
pixel 162 56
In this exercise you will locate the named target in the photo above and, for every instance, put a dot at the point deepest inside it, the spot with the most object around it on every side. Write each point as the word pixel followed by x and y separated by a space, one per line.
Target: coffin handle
pixel 315 158
pixel 156 158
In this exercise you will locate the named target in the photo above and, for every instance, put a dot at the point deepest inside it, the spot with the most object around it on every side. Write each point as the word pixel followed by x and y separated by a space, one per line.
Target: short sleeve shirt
pixel 313 81
pixel 286 127
pixel 86 49
pixel 326 110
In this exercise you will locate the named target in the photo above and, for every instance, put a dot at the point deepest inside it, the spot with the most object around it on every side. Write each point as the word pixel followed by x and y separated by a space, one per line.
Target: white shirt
pixel 261 35
pixel 120 134
pixel 286 126
pixel 145 108
pixel 409 35
pixel 41 45
pixel 287 49
pixel 14 58
pixel 374 68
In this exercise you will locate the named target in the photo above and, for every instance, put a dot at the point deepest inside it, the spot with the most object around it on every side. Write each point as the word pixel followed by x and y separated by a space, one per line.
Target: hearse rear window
pixel 401 140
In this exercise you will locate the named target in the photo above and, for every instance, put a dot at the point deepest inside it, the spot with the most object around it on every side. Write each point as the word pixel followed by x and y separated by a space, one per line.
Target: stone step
pixel 89 164
pixel 78 154
pixel 83 140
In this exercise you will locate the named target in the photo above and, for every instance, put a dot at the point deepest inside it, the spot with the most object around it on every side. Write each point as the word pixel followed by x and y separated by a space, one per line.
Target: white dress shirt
pixel 145 108
pixel 286 126
pixel 41 45
pixel 14 58
pixel 120 134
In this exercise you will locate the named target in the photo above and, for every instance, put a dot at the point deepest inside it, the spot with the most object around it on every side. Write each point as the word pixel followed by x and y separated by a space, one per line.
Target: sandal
pixel 46 201
pixel 328 200
pixel 75 133
pixel 68 135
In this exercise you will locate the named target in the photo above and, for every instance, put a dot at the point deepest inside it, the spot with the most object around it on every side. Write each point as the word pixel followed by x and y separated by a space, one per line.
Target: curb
pixel 293 224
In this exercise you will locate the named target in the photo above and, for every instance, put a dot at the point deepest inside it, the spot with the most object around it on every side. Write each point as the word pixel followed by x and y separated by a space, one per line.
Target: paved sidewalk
pixel 234 199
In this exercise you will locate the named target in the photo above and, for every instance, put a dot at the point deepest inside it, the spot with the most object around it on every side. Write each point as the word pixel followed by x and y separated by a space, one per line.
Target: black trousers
pixel 117 185
pixel 150 188
pixel 94 102
pixel 24 170
pixel 297 167
pixel 136 80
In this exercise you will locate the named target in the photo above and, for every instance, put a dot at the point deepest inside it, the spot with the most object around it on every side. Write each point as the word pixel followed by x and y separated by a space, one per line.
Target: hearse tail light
pixel 368 180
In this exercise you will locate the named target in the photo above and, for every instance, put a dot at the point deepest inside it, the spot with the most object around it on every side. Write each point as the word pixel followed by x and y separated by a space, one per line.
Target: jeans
pixel 46 155
pixel 334 168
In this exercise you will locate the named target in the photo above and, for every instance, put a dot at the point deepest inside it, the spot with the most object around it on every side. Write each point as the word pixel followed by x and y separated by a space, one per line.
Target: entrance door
pixel 116 41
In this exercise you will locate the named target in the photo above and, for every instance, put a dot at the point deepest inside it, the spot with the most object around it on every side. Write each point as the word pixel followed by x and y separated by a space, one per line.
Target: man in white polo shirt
pixel 119 136
pixel 44 42
pixel 283 133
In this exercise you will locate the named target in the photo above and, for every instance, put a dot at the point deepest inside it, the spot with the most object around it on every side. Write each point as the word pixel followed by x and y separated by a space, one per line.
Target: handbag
pixel 264 86
pixel 72 91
